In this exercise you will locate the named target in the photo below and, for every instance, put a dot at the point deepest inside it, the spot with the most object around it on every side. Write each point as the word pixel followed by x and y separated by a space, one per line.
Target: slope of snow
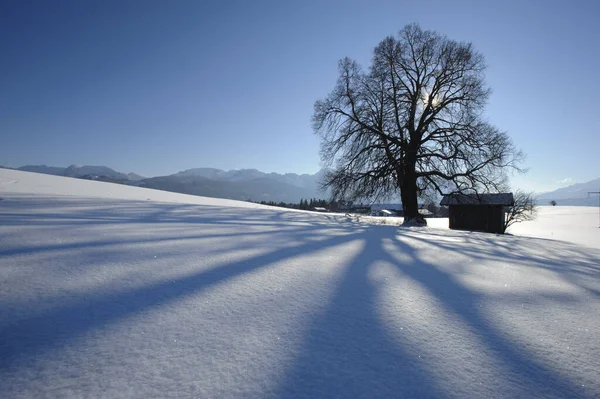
pixel 576 224
pixel 105 293
pixel 19 182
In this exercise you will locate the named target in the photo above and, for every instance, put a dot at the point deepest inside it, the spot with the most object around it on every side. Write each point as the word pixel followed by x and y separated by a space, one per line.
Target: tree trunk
pixel 410 204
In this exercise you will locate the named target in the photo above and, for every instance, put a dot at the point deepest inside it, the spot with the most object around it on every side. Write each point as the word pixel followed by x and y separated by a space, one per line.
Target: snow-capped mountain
pixel 303 180
pixel 89 170
pixel 575 194
pixel 135 177
pixel 239 184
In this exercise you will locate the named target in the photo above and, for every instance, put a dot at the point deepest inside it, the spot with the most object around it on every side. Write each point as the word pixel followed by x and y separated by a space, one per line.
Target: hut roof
pixel 504 199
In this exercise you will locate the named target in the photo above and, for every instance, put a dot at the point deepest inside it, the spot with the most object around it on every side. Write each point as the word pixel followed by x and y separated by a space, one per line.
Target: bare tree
pixel 524 209
pixel 412 124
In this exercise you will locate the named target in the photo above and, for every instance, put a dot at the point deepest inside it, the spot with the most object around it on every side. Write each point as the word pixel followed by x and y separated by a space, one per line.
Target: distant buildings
pixel 395 209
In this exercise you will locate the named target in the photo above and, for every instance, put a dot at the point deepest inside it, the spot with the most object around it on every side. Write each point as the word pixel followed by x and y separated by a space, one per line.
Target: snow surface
pixel 576 224
pixel 110 291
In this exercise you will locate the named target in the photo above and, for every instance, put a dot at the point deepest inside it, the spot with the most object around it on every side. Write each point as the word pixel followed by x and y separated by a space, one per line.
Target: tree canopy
pixel 412 123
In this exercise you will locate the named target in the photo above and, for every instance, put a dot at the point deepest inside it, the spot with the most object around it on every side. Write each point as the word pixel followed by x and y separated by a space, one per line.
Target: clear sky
pixel 155 87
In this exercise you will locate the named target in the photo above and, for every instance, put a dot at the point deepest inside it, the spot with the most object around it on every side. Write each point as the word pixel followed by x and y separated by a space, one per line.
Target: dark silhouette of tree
pixel 412 124
pixel 524 209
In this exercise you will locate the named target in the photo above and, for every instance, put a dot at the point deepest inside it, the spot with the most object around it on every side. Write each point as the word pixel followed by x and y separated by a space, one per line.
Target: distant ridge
pixel 254 185
pixel 573 195
pixel 237 184
pixel 81 171
pixel 240 184
pixel 47 170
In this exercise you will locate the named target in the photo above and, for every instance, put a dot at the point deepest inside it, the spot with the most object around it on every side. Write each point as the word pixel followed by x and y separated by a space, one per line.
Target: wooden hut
pixel 478 212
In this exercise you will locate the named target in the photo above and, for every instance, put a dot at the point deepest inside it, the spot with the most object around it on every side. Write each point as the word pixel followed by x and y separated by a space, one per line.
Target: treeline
pixel 305 204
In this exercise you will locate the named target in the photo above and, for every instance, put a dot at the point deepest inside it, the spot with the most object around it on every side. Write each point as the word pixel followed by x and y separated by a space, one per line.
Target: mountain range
pixel 575 194
pixel 254 185
pixel 239 184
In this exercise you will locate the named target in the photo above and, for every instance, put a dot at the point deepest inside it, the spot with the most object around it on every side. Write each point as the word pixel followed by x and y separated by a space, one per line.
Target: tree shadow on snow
pixel 568 261
pixel 348 353
pixel 27 338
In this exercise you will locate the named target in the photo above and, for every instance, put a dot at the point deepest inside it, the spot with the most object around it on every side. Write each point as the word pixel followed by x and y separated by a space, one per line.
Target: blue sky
pixel 155 87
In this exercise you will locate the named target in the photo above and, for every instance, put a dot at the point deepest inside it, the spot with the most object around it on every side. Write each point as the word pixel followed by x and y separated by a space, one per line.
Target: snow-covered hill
pixel 18 182
pixel 78 171
pixel 122 292
pixel 573 195
pixel 241 184
pixel 238 175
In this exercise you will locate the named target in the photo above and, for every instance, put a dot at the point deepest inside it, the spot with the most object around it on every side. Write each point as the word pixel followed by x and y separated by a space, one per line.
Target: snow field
pixel 113 295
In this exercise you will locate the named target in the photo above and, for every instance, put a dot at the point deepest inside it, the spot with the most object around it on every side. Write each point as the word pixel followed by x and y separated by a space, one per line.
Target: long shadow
pixel 70 246
pixel 128 212
pixel 26 339
pixel 573 263
pixel 348 353
pixel 114 212
pixel 539 379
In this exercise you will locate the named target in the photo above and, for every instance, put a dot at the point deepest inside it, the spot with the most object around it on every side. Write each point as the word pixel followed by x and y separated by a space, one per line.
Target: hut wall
pixel 488 218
